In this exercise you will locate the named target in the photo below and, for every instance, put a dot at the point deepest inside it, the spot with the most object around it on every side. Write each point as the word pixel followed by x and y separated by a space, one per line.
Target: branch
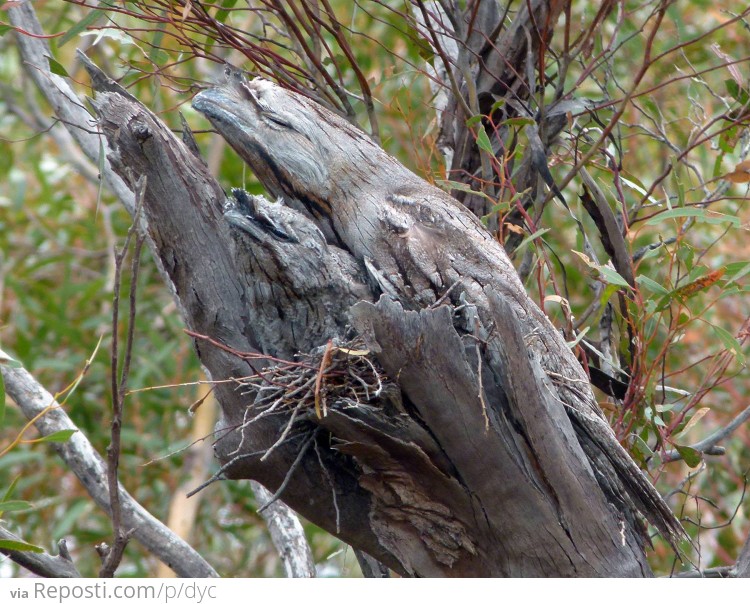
pixel 414 234
pixel 81 457
pixel 708 445
pixel 44 565
pixel 114 556
pixel 220 297
pixel 64 101
pixel 286 533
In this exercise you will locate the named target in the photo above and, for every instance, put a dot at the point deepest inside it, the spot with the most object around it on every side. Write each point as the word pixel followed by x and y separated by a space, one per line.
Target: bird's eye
pixel 274 118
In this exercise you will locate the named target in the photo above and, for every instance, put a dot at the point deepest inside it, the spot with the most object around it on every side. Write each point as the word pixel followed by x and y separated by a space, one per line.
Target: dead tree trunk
pixel 398 387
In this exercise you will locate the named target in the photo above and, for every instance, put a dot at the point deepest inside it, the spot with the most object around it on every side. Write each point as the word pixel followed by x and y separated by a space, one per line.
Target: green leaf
pixel 56 68
pixel 638 187
pixel 483 141
pixel 718 163
pixel 155 53
pixel 651 285
pixel 737 92
pixel 728 140
pixel 519 121
pixel 451 185
pixel 730 342
pixel 697 213
pixel 80 26
pixel 61 436
pixel 15 505
pixel 690 456
pixel 530 238
pixel 496 105
pixel 737 270
pixel 613 277
pixel 720 219
pixel 687 255
pixel 473 120
pixel 676 213
pixel 679 186
pixel 578 338
pixel 10 489
pixel 500 208
pixel 610 276
pixel 642 447
pixel 223 12
pixel 735 291
pixel 20 546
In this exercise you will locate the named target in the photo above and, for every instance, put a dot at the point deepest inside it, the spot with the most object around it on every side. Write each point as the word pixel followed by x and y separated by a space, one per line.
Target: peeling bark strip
pixel 484 453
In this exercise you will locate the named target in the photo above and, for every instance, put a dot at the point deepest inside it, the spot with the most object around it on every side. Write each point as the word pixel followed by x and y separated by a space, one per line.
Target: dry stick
pixel 340 92
pixel 287 535
pixel 335 30
pixel 286 431
pixel 298 460
pixel 113 556
pixel 329 480
pixel 324 362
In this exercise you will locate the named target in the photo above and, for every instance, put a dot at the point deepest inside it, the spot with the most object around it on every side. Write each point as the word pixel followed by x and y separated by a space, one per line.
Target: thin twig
pixel 114 554
pixel 298 460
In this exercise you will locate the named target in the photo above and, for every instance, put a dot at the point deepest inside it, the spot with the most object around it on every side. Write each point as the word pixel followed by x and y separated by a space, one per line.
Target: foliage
pixel 662 136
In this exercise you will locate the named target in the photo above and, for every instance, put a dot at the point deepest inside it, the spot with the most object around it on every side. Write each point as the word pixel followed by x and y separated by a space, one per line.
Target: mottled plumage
pixel 420 244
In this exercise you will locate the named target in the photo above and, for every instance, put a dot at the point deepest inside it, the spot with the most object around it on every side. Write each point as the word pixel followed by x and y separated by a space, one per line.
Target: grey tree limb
pixel 90 469
pixel 475 376
pixel 364 505
pixel 287 534
pixel 65 103
pixel 41 564
pixel 389 475
pixel 186 216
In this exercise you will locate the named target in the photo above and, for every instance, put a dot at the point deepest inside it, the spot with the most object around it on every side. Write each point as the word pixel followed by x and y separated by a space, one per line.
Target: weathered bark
pixel 484 453
pixel 184 210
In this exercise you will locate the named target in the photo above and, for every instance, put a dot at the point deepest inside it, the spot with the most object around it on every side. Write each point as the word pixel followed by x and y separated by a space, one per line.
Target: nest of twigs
pixel 340 374
pixel 344 374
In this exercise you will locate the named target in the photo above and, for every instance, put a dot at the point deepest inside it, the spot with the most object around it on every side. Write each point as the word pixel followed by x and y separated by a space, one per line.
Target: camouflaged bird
pixel 419 245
